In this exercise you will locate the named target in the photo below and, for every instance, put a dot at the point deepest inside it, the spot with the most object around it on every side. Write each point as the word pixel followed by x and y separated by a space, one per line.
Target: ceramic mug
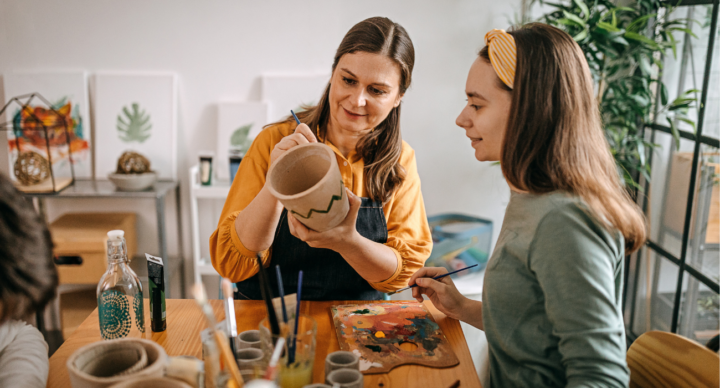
pixel 249 339
pixel 307 181
pixel 249 357
pixel 341 359
pixel 345 378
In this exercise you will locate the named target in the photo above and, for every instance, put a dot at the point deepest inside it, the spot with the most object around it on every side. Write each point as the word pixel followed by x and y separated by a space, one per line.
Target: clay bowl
pixel 307 181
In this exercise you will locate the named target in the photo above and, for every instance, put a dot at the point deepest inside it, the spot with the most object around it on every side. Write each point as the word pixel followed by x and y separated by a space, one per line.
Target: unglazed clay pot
pixel 306 180
pixel 102 364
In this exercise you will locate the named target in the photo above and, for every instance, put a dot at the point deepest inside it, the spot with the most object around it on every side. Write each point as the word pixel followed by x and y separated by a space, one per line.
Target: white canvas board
pixel 232 118
pixel 286 92
pixel 67 92
pixel 136 112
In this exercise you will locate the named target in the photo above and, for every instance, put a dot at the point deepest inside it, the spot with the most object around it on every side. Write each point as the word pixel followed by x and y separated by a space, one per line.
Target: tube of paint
pixel 156 282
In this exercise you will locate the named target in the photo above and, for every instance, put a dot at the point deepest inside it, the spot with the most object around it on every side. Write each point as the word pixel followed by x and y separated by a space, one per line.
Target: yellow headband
pixel 503 55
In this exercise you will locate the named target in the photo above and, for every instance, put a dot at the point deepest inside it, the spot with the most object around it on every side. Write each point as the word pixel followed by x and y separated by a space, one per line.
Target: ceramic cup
pixel 249 339
pixel 307 181
pixel 102 364
pixel 341 359
pixel 249 357
pixel 252 363
pixel 345 378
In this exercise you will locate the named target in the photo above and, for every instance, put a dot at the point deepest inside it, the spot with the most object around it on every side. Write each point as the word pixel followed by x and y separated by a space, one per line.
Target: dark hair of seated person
pixel 28 278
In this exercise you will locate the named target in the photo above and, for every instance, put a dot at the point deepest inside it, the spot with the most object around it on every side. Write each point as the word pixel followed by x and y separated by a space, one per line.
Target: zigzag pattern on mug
pixel 332 200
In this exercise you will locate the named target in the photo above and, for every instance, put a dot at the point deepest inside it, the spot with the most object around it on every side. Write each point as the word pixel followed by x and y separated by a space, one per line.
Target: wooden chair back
pixel 659 359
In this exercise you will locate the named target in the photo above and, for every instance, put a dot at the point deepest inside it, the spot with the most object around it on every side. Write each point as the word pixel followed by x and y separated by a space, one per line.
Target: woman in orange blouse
pixel 385 237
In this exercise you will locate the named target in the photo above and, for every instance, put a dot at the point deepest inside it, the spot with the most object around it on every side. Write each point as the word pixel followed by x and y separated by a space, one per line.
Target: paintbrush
pixel 291 351
pixel 267 296
pixel 435 278
pixel 282 293
pixel 273 365
pixel 297 120
pixel 227 290
pixel 221 341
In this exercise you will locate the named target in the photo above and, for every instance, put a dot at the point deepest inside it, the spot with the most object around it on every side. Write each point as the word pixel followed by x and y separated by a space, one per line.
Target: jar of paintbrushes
pixel 295 365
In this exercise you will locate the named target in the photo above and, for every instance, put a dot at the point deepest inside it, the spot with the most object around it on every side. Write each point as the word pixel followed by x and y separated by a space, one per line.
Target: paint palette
pixel 386 335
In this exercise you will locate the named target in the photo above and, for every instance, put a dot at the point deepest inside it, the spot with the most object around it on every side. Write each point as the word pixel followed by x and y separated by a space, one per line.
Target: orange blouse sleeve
pixel 230 258
pixel 408 231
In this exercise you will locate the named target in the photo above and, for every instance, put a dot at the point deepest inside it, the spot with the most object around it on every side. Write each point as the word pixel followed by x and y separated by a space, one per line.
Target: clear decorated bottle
pixel 120 294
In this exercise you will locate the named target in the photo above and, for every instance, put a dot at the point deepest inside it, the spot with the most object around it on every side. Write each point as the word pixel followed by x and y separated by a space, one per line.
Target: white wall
pixel 220 48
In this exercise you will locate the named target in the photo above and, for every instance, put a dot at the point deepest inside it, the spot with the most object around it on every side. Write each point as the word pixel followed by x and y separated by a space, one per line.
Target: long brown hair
pixel 381 148
pixel 554 139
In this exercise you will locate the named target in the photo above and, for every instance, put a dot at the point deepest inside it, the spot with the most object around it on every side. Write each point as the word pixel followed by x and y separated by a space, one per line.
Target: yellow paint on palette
pixel 380 334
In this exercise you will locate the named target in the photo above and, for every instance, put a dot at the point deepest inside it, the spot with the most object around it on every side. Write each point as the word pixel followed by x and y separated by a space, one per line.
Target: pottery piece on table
pixel 341 359
pixel 102 364
pixel 306 180
pixel 157 382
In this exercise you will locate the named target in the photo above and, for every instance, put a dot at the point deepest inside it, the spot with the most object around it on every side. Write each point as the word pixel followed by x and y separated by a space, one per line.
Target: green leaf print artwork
pixel 114 315
pixel 135 125
pixel 239 138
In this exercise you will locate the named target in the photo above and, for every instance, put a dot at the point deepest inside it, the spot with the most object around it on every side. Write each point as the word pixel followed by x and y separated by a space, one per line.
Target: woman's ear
pixel 398 100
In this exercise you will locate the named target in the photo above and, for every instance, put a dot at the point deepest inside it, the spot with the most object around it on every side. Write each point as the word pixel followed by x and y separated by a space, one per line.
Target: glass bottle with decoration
pixel 120 294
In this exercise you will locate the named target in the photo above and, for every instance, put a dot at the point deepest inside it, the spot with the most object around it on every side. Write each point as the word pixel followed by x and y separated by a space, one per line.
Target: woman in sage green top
pixel 551 305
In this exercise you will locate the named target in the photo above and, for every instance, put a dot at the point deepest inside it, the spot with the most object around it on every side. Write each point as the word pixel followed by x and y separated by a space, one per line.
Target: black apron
pixel 326 275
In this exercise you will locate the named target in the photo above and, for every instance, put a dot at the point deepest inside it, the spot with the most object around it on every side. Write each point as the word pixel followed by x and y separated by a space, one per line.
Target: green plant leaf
pixel 238 137
pixel 583 8
pixel 640 38
pixel 687 121
pixel 645 67
pixel 582 35
pixel 574 18
pixel 134 125
pixel 639 23
pixel 675 133
pixel 608 27
pixel 663 94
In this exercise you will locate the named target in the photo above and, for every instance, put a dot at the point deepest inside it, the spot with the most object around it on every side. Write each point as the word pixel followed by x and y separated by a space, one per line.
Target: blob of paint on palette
pixel 386 335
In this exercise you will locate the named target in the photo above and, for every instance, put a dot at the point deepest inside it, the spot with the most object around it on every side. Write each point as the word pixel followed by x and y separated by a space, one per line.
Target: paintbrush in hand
pixel 225 353
pixel 435 278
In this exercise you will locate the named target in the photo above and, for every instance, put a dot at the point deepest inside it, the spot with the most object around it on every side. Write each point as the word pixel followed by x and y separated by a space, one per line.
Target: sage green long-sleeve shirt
pixel 552 297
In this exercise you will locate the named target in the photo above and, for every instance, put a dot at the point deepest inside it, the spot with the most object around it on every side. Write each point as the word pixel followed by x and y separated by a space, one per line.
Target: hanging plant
pixel 624 47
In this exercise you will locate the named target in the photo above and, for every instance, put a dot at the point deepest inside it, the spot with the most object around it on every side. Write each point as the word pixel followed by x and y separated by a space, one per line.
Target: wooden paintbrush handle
pixel 228 358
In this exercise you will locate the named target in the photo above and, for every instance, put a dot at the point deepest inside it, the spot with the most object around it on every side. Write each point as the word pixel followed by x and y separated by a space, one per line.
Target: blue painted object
pixel 459 241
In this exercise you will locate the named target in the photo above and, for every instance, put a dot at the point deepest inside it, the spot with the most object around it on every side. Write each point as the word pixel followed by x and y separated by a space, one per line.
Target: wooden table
pixel 184 323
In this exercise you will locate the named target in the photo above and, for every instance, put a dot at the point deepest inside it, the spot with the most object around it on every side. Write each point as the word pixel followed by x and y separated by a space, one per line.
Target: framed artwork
pixel 285 92
pixel 238 124
pixel 67 93
pixel 136 112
